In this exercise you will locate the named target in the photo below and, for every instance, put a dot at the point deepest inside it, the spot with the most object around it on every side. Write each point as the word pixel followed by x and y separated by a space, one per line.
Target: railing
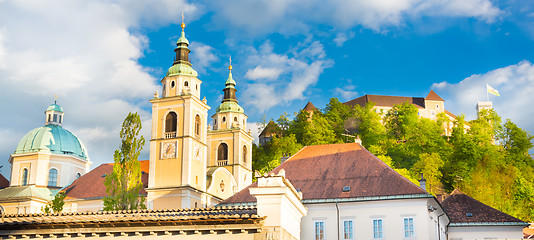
pixel 223 162
pixel 170 135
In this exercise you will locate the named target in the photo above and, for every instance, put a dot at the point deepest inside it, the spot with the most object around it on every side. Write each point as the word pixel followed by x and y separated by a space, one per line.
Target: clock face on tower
pixel 168 150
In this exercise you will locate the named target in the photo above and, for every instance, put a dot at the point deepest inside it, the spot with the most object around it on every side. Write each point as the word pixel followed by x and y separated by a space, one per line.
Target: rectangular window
pixel 377 229
pixel 408 228
pixel 347 230
pixel 319 230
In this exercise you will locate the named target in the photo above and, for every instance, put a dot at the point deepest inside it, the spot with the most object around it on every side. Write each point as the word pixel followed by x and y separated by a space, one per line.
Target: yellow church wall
pixel 39 165
pixel 23 206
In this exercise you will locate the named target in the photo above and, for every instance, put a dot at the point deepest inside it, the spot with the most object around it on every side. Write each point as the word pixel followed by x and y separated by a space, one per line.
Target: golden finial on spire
pixel 183 24
pixel 55 98
pixel 230 66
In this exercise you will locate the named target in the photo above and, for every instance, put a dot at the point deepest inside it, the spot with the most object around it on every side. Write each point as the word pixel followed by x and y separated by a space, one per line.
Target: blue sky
pixel 105 58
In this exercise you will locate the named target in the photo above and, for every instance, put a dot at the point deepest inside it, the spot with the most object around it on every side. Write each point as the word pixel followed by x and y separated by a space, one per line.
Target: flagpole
pixel 487 93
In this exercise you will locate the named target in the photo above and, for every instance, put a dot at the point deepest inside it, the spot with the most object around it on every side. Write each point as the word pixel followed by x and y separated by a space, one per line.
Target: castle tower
pixel 178 144
pixel 230 145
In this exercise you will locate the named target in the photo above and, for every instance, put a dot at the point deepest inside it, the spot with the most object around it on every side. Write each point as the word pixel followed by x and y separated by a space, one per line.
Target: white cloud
pixel 202 56
pixel 515 84
pixel 263 73
pixel 291 17
pixel 299 69
pixel 87 53
pixel 342 37
pixel 345 94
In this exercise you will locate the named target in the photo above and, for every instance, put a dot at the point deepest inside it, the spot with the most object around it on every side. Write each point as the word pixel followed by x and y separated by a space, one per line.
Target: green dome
pixel 181 69
pixel 54 107
pixel 53 139
pixel 229 106
pixel 230 81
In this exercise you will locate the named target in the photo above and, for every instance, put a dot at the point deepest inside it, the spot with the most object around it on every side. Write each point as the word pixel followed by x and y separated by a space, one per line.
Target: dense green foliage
pixel 124 183
pixel 56 205
pixel 485 158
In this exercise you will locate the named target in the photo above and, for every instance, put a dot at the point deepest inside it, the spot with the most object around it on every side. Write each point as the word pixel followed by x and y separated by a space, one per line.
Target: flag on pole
pixel 492 90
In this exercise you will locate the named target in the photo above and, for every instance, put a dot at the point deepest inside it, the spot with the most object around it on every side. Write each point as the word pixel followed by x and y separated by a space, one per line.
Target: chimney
pixel 422 182
pixel 280 203
pixel 358 140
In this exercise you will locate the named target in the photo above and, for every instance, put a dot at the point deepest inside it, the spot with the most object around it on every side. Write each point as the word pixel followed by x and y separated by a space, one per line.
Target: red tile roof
pixel 309 107
pixel 386 101
pixel 3 182
pixel 433 96
pixel 91 185
pixel 458 206
pixel 321 172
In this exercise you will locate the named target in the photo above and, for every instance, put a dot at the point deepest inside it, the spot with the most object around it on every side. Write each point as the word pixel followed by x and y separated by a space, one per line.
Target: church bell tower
pixel 178 144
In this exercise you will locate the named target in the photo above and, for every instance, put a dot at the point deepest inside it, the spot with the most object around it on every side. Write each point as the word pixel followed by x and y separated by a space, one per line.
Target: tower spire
pixel 182 50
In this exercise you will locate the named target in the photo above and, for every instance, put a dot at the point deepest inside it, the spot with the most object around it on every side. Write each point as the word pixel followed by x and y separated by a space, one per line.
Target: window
pixel 244 154
pixel 377 229
pixel 172 84
pixel 186 84
pixel 347 229
pixel 59 118
pixel 408 228
pixel 197 125
pixel 235 119
pixel 170 122
pixel 52 177
pixel 215 121
pixel 78 175
pixel 24 178
pixel 55 118
pixel 49 117
pixel 223 119
pixel 222 152
pixel 319 230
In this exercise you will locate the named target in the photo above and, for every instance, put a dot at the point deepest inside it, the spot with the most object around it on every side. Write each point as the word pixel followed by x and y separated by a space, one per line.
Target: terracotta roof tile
pixel 91 185
pixel 433 96
pixel 386 101
pixel 3 182
pixel 309 107
pixel 321 172
pixel 464 209
pixel 14 221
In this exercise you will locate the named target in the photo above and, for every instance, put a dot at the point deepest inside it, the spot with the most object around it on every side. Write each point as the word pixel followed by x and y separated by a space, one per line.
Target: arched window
pixel 170 122
pixel 197 125
pixel 186 84
pixel 52 177
pixel 244 154
pixel 222 154
pixel 172 84
pixel 78 175
pixel 24 178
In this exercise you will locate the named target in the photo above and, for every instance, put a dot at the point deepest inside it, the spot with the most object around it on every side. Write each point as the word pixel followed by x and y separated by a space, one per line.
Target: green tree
pixel 369 126
pixel 336 113
pixel 56 205
pixel 124 183
pixel 401 120
pixel 430 166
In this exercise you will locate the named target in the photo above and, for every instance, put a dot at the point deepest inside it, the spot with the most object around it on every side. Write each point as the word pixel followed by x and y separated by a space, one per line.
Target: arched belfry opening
pixel 222 154
pixel 171 121
pixel 197 125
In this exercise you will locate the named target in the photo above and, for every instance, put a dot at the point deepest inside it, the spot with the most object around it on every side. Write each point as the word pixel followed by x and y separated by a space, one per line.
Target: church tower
pixel 178 144
pixel 230 145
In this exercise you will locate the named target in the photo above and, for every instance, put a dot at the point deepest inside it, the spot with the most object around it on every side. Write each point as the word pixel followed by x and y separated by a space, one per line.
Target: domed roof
pixel 54 139
pixel 54 107
pixel 181 69
pixel 229 106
